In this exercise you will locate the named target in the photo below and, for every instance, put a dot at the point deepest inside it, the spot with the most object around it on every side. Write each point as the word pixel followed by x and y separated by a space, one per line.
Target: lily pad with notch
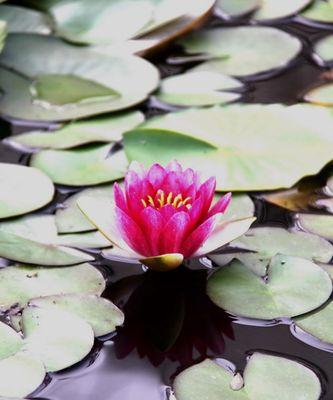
pixel 239 164
pixel 266 377
pixel 287 290
pixel 22 283
pixel 230 50
pixel 62 82
pixel 33 239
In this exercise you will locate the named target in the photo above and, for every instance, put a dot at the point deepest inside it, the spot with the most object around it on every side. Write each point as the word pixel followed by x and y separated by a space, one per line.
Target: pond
pixel 173 320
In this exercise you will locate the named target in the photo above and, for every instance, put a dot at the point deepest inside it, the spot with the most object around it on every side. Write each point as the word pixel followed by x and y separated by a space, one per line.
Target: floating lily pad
pixel 81 167
pixel 101 83
pixel 102 129
pixel 320 11
pixel 321 225
pixel 324 47
pixel 21 374
pixel 268 242
pixel 101 314
pixel 321 95
pixel 287 291
pixel 225 151
pixel 84 240
pixel 33 239
pixel 21 283
pixel 69 217
pixel 237 8
pixel 58 338
pixel 10 341
pixel 266 377
pixel 271 9
pixel 230 50
pixel 23 190
pixel 318 323
pixel 21 19
pixel 202 88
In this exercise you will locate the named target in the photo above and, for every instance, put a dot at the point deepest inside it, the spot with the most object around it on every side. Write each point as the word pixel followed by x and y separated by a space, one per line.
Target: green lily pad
pixel 202 88
pixel 33 240
pixel 21 374
pixel 237 8
pixel 21 19
pixel 319 323
pixel 23 190
pixel 20 283
pixel 321 95
pixel 268 242
pixel 321 225
pixel 266 377
pixel 58 338
pixel 271 9
pixel 84 240
pixel 324 47
pixel 225 151
pixel 69 218
pixel 101 314
pixel 83 166
pixel 287 291
pixel 320 11
pixel 102 129
pixel 10 341
pixel 98 83
pixel 230 50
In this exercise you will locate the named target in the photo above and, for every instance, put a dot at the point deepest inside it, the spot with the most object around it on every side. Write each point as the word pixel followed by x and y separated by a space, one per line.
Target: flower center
pixel 161 199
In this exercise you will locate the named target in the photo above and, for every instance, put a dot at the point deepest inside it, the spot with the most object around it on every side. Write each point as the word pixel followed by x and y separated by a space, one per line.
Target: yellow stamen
pixel 186 200
pixel 161 198
pixel 176 200
pixel 144 203
pixel 169 198
pixel 151 201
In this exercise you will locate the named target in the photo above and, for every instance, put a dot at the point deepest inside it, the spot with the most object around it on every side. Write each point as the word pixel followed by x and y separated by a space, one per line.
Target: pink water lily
pixel 164 215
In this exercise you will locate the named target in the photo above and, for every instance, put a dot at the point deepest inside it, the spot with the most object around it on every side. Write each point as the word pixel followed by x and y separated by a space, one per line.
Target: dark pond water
pixel 170 322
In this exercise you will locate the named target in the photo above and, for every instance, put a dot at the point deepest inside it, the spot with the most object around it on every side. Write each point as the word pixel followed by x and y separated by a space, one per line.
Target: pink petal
pixel 132 182
pixel 119 197
pixel 207 189
pixel 132 233
pixel 156 176
pixel 198 237
pixel 171 183
pixel 174 166
pixel 152 223
pixel 221 205
pixel 167 212
pixel 195 211
pixel 174 233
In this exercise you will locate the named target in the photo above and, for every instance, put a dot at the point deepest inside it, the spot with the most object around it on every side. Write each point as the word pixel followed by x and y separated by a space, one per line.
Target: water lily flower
pixel 164 215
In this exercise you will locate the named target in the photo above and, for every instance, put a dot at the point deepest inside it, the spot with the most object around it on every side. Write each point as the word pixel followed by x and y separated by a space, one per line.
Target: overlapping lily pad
pixel 249 155
pixel 101 314
pixel 263 9
pixel 21 19
pixel 62 81
pixel 324 47
pixel 287 290
pixel 81 167
pixel 33 239
pixel 230 50
pixel 202 88
pixel 321 95
pixel 265 243
pixel 102 129
pixel 69 218
pixel 321 225
pixel 321 11
pixel 21 283
pixel 22 190
pixel 318 324
pixel 265 377
pixel 84 240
